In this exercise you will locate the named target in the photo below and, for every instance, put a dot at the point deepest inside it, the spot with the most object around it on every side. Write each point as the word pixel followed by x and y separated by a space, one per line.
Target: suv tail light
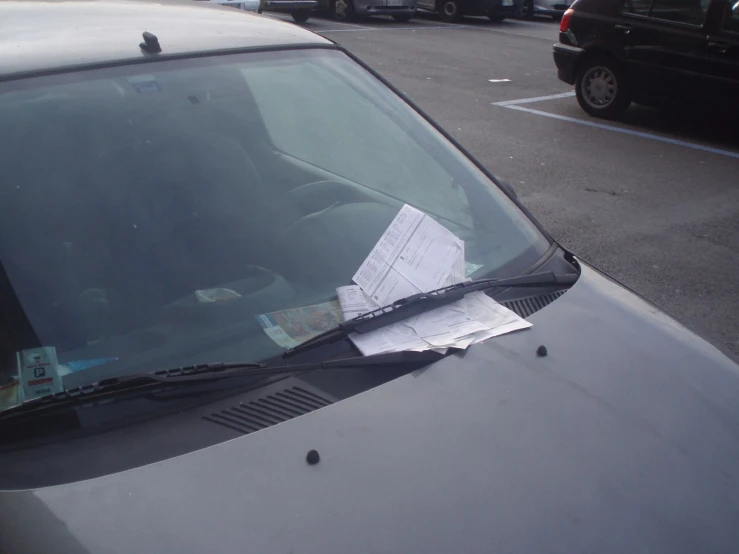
pixel 564 25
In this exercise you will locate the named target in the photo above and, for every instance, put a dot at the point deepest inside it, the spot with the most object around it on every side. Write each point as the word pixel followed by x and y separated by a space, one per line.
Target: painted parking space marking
pixel 535 99
pixel 516 105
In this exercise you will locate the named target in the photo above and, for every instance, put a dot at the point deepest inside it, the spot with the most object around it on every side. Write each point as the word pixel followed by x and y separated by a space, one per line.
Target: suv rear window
pixel 731 20
pixel 691 12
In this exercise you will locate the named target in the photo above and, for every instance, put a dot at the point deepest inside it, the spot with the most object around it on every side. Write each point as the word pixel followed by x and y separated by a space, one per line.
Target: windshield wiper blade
pixel 112 385
pixel 208 372
pixel 424 302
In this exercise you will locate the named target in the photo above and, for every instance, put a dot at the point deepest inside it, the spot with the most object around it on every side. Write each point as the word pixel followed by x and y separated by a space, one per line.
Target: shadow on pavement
pixel 720 129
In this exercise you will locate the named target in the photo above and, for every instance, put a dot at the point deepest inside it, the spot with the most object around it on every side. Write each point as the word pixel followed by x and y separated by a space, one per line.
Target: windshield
pixel 151 214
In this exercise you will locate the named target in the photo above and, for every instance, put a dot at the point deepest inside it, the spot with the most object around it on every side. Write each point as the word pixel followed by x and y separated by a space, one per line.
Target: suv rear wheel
pixel 602 87
pixel 342 10
pixel 449 10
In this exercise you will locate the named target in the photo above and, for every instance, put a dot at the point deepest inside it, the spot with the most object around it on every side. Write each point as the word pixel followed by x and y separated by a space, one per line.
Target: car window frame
pixel 726 16
pixel 651 19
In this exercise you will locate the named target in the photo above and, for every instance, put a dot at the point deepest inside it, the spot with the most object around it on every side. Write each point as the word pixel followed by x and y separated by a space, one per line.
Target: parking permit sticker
pixel 39 374
pixel 145 83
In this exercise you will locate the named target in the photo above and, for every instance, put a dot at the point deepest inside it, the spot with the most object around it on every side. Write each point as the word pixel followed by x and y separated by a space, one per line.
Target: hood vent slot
pixel 531 304
pixel 269 410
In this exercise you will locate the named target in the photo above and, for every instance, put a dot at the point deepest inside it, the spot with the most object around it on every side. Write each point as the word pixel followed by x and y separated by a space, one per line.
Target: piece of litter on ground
pixel 499 80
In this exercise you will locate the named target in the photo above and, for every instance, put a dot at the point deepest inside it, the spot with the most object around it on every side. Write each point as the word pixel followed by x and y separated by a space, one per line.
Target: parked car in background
pixel 347 10
pixel 651 52
pixel 246 5
pixel 550 8
pixel 300 10
pixel 455 10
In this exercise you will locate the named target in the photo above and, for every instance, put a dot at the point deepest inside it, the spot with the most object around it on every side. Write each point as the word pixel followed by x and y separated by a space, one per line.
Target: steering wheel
pixel 319 195
pixel 259 291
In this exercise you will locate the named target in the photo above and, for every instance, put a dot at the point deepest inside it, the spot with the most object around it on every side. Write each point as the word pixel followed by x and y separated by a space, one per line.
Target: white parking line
pixel 515 105
pixel 536 99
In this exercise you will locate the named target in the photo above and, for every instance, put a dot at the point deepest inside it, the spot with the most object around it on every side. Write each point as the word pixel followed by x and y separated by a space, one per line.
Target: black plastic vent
pixel 531 304
pixel 269 410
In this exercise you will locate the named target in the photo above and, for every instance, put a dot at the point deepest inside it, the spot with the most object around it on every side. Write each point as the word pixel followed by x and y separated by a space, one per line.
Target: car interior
pixel 121 198
pixel 149 197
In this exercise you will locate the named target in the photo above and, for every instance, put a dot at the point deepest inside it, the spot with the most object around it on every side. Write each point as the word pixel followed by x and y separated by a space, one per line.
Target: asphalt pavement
pixel 652 200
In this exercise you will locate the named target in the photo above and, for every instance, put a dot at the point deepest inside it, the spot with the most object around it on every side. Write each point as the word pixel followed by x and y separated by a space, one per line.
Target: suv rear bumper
pixel 491 7
pixel 409 8
pixel 565 58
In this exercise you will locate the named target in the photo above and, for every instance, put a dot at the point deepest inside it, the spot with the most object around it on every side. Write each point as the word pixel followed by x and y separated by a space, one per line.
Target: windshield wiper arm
pixel 424 302
pixel 205 373
pixel 112 385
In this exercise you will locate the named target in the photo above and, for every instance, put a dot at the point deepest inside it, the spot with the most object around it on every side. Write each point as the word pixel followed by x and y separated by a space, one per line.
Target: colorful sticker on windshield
pixel 11 392
pixel 39 371
pixel 289 328
pixel 145 84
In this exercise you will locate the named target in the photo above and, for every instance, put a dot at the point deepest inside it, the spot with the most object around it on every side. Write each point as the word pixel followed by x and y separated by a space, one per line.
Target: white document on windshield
pixel 397 337
pixel 497 319
pixel 391 338
pixel 353 302
pixel 415 254
pixel 442 327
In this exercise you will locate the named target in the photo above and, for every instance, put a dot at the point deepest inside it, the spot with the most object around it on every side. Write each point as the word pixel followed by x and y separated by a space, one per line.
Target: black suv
pixel 652 52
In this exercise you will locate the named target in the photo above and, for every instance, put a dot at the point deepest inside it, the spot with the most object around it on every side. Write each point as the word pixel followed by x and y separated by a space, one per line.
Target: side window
pixel 638 7
pixel 692 12
pixel 731 19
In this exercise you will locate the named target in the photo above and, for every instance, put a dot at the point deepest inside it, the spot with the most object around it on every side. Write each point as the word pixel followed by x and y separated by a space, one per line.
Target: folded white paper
pixel 416 254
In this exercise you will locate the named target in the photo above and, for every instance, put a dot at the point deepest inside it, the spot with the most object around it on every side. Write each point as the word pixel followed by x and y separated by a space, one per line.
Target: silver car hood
pixel 623 439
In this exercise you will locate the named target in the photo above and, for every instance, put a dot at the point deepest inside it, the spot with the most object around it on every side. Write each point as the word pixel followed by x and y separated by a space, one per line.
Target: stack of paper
pixel 416 254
